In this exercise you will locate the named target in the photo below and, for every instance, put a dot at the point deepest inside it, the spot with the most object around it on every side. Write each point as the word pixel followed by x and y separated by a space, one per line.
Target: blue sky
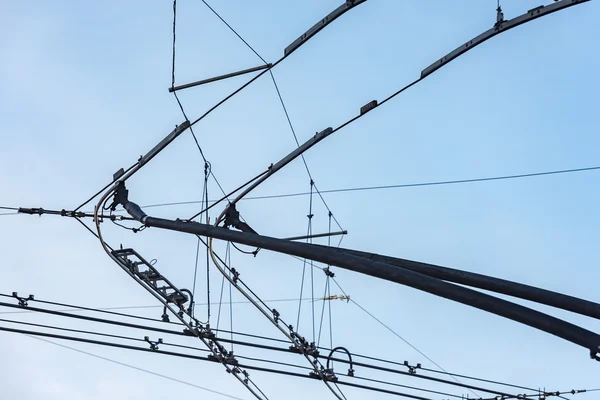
pixel 84 92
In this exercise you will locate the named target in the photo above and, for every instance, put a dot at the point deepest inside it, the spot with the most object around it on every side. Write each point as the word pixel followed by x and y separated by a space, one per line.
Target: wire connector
pixel 22 300
pixel 153 345
pixel 412 369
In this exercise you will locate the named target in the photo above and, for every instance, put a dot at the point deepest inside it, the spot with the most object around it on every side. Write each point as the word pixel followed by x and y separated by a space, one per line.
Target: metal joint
pixel 22 300
pixel 153 345
pixel 412 369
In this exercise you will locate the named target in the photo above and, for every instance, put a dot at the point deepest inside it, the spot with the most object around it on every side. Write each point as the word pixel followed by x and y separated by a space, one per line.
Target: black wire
pixel 273 362
pixel 100 334
pixel 15 213
pixel 135 368
pixel 177 333
pixel 98 310
pixel 189 356
pixel 73 330
pixel 179 102
pixel 29 309
pixel 174 25
pixel 408 387
pixel 243 251
pixel 95 319
pixel 9 208
pixel 234 31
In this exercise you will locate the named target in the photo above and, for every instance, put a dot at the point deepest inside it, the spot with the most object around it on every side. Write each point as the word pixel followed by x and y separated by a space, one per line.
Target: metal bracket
pixel 22 300
pixel 412 369
pixel 153 345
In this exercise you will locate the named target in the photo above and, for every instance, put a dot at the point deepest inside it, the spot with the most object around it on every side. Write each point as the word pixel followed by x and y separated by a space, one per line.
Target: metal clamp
pixel 412 369
pixel 153 345
pixel 22 300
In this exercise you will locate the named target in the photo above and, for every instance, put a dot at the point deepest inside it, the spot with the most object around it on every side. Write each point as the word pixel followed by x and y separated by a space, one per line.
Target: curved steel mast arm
pixel 501 26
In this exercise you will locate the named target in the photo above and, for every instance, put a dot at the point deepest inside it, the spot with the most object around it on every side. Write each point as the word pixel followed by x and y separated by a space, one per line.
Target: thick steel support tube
pixel 515 312
pixel 497 285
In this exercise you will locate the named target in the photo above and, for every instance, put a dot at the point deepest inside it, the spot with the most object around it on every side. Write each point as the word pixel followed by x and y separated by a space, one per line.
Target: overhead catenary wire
pixel 189 356
pixel 271 348
pixel 146 371
pixel 42 334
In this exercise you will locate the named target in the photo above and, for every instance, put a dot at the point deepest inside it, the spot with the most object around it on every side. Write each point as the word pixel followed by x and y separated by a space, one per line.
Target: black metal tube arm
pixel 473 298
pixel 509 288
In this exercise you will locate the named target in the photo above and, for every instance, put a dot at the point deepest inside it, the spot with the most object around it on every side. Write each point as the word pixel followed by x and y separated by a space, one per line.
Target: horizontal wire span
pixel 278 349
pixel 398 186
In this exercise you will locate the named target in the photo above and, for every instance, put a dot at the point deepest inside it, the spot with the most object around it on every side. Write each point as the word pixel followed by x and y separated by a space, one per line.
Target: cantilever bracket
pixel 22 300
pixel 412 369
pixel 153 345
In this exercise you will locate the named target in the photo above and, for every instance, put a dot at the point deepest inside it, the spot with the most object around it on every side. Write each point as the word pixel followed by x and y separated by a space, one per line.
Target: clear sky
pixel 83 92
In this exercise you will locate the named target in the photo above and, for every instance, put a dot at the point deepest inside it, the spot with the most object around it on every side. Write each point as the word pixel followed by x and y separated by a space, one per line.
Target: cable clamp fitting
pixel 153 345
pixel 22 300
pixel 412 369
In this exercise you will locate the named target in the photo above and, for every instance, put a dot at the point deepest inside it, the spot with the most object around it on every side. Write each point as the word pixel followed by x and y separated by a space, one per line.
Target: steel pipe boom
pixel 316 28
pixel 499 28
pixel 497 285
pixel 220 77
pixel 332 256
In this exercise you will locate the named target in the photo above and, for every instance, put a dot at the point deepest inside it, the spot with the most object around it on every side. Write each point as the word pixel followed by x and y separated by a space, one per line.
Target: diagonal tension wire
pixel 242 343
pixel 400 337
pixel 234 31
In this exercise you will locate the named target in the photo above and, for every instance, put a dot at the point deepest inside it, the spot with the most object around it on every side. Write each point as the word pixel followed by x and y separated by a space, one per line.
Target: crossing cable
pixel 395 186
pixel 284 107
pixel 135 368
pixel 102 334
pixel 278 94
pixel 271 348
pixel 179 102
